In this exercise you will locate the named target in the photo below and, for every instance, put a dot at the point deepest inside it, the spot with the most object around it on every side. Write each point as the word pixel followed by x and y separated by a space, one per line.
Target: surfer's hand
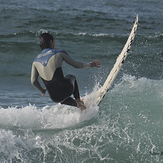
pixel 96 63
pixel 43 94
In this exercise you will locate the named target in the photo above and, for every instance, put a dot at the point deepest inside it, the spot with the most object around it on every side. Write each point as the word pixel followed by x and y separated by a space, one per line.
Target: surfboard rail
pixel 118 64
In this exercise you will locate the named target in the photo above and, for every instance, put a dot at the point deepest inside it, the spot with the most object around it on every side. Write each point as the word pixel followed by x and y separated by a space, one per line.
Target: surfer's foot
pixel 80 104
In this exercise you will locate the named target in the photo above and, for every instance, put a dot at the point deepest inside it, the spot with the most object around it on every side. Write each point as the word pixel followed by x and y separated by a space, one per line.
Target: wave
pixel 146 57
pixel 62 116
pixel 141 84
pixel 157 36
pixel 39 32
pixel 127 125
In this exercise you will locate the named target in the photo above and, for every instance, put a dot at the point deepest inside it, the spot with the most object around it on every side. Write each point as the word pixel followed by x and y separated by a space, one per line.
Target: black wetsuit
pixel 48 65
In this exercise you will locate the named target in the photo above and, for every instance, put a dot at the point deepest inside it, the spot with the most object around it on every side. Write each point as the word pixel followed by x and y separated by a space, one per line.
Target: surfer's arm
pixel 73 62
pixel 78 64
pixel 34 79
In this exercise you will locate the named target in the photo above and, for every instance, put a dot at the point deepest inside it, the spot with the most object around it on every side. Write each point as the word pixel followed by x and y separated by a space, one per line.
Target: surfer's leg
pixel 76 93
pixel 80 104
pixel 69 101
pixel 73 81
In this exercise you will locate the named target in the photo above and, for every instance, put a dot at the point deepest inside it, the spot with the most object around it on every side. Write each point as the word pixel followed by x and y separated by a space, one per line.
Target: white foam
pixel 49 117
pixel 100 34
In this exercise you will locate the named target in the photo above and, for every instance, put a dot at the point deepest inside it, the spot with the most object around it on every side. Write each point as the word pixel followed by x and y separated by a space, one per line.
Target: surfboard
pixel 117 66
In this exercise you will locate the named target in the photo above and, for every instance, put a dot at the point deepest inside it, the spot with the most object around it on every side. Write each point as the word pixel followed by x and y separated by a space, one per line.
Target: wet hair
pixel 45 40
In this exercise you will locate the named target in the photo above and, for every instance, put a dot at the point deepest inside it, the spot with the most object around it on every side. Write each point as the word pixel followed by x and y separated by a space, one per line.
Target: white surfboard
pixel 118 64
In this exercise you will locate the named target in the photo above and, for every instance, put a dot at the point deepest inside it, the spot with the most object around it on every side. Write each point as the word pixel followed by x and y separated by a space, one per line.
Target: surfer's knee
pixel 72 78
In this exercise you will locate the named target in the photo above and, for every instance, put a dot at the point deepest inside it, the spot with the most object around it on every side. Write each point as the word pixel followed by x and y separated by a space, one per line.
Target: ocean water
pixel 127 127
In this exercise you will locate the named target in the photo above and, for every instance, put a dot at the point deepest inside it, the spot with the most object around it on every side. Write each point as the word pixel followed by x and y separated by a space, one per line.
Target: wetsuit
pixel 48 65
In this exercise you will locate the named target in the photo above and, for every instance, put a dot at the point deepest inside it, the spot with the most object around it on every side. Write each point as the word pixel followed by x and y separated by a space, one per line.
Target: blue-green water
pixel 128 127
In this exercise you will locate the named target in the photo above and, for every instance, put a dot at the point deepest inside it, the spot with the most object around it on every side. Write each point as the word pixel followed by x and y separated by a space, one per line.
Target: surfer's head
pixel 46 41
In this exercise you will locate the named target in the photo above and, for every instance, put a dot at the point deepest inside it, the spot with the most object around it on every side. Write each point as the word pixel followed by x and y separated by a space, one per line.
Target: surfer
pixel 48 65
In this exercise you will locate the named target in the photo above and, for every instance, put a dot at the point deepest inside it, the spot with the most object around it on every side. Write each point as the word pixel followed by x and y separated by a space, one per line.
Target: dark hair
pixel 45 40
